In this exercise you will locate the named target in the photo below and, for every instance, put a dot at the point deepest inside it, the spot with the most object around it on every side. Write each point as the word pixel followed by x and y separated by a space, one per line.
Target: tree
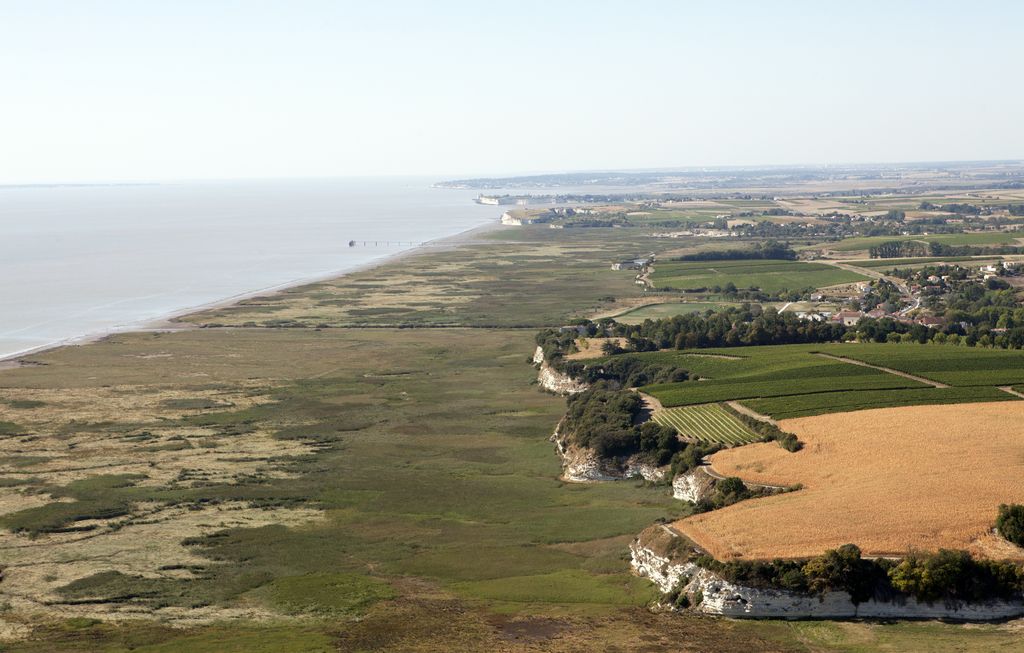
pixel 610 347
pixel 842 569
pixel 946 574
pixel 1010 523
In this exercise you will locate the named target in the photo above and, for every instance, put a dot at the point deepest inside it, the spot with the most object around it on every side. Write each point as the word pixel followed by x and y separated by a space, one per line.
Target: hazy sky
pixel 108 90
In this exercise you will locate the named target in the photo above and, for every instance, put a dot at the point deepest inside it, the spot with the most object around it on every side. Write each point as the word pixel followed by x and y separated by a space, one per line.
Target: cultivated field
pixel 959 366
pixel 888 480
pixel 707 423
pixel 787 381
pixel 768 275
pixel 786 407
pixel 775 371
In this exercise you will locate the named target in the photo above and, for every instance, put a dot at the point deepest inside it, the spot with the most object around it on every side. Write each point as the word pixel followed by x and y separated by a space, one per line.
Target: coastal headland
pixel 355 463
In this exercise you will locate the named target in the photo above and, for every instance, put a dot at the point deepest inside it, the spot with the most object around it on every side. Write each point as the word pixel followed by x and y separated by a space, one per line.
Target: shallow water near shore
pixel 82 260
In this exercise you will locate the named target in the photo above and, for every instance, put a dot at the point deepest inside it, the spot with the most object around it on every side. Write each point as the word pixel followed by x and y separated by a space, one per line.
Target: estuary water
pixel 84 260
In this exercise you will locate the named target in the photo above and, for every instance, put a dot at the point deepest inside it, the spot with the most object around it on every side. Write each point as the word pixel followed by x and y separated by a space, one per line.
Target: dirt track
pixel 888 370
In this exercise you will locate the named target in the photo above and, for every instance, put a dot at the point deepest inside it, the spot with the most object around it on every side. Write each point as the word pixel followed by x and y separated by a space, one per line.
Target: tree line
pixel 770 249
pixel 913 248
pixel 929 577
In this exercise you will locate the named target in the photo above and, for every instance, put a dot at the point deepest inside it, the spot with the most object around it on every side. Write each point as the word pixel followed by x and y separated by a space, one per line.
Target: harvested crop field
pixel 888 480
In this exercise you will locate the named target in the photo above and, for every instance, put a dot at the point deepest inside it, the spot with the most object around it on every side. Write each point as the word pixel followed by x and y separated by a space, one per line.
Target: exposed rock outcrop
pixel 635 468
pixel 654 556
pixel 582 465
pixel 554 381
pixel 693 485
pixel 538 355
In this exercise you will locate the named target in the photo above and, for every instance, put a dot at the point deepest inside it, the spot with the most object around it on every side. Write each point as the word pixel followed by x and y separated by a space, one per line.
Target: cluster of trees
pixel 993 325
pixel 840 225
pixel 627 371
pixel 768 431
pixel 959 209
pixel 944 575
pixel 610 220
pixel 1015 209
pixel 974 316
pixel 730 327
pixel 691 455
pixel 556 343
pixel 727 492
pixel 769 249
pixel 956 575
pixel 898 249
pixel 911 248
pixel 1010 523
pixel 753 294
pixel 956 333
pixel 604 419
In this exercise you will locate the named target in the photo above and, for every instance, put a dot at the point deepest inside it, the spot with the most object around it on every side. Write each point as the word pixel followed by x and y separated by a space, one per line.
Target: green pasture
pixel 670 309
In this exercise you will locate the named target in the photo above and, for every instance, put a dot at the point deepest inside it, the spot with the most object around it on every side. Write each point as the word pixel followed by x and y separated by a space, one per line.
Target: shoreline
pixel 169 321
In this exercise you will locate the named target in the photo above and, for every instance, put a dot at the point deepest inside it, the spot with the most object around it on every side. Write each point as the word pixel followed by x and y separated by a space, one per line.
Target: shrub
pixel 1010 523
pixel 767 430
pixel 843 569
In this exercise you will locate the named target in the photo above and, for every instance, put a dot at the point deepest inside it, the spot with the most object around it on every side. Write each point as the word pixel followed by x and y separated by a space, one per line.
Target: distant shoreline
pixel 169 322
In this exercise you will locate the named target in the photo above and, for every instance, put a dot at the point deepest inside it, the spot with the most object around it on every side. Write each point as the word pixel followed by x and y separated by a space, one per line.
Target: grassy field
pixel 404 424
pixel 707 423
pixel 981 238
pixel 770 275
pixel 658 311
pixel 872 478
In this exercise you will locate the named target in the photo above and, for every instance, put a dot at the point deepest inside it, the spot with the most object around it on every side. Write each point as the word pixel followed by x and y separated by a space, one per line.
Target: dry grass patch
pixel 591 347
pixel 138 432
pixel 80 432
pixel 888 480
pixel 147 544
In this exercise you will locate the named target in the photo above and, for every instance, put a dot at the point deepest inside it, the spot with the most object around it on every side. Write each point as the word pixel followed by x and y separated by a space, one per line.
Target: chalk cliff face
pixel 538 355
pixel 580 465
pixel 554 381
pixel 652 559
pixel 693 485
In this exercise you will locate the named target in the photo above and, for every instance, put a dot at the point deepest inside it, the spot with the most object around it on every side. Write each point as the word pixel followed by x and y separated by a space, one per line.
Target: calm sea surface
pixel 76 261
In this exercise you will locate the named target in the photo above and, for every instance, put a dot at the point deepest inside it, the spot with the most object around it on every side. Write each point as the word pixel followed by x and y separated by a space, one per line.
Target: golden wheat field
pixel 888 480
